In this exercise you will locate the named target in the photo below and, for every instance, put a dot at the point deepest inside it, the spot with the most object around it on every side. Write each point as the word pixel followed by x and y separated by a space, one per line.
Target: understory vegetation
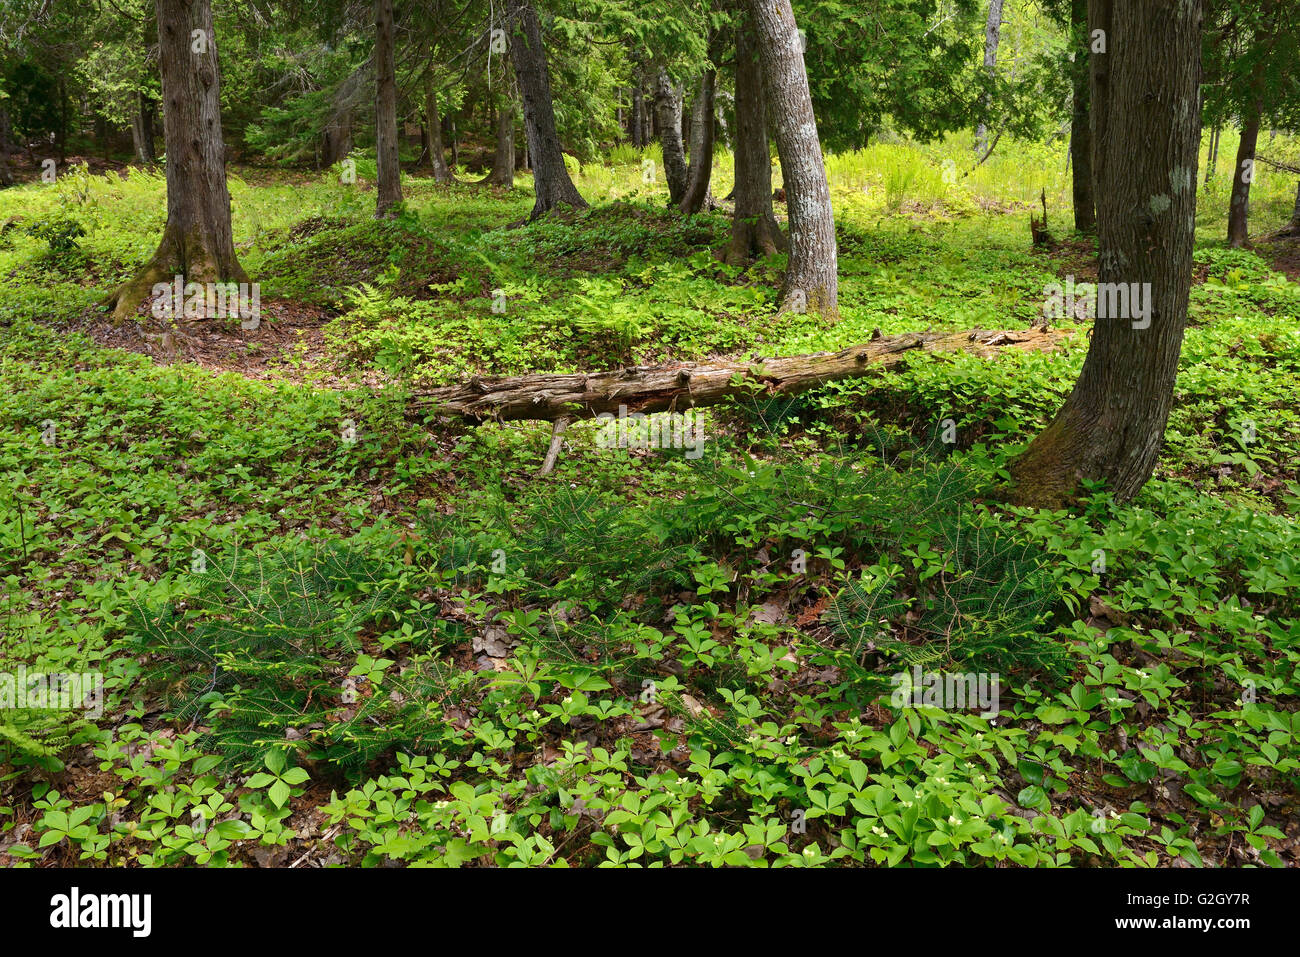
pixel 335 630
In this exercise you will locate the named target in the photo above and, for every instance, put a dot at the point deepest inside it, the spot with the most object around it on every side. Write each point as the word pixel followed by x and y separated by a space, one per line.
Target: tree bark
pixel 992 37
pixel 668 106
pixel 503 159
pixel 1294 225
pixel 811 282
pixel 142 116
pixel 754 230
pixel 1243 173
pixel 6 175
pixel 1085 211
pixel 1214 154
pixel 1111 427
pixel 700 173
pixel 389 191
pixel 551 182
pixel 433 125
pixel 142 133
pixel 638 113
pixel 676 387
pixel 197 242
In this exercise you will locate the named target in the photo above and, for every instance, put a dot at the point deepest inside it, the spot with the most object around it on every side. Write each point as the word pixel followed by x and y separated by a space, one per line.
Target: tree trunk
pixel 668 106
pixel 551 182
pixel 503 159
pixel 638 113
pixel 6 175
pixel 1243 173
pixel 811 283
pixel 1144 93
pixel 1294 225
pixel 541 397
pixel 433 124
pixel 337 140
pixel 197 243
pixel 141 132
pixel 1085 212
pixel 389 192
pixel 702 133
pixel 992 36
pixel 754 230
pixel 142 116
pixel 1214 153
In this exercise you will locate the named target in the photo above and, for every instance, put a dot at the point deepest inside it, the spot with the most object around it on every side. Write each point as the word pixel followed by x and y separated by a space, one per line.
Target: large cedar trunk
pixel 551 182
pixel 1085 212
pixel 668 106
pixel 389 192
pixel 1239 204
pixel 435 155
pixel 992 37
pixel 811 282
pixel 754 230
pixel 197 242
pixel 702 133
pixel 1144 93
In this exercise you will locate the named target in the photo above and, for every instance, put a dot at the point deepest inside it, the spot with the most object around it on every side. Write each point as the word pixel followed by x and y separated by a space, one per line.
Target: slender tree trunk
pixel 811 282
pixel 638 113
pixel 992 37
pixel 551 181
pixel 433 126
pixel 1243 173
pixel 1214 153
pixel 1145 91
pixel 147 107
pixel 1085 213
pixel 1294 225
pixel 389 192
pixel 503 159
pixel 142 115
pixel 6 175
pixel 668 106
pixel 197 243
pixel 754 230
pixel 700 173
pixel 61 134
pixel 141 133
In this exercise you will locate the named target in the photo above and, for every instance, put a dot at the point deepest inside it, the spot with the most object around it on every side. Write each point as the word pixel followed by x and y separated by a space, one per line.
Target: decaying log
pixel 680 387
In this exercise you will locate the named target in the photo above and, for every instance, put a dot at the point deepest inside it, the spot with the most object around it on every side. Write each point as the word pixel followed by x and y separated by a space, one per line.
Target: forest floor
pixel 334 632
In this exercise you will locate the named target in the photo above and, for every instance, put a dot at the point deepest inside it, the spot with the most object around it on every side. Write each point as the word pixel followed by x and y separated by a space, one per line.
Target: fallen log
pixel 673 388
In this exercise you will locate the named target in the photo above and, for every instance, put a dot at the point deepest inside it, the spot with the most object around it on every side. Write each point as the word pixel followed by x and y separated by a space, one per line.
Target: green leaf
pixel 1032 796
